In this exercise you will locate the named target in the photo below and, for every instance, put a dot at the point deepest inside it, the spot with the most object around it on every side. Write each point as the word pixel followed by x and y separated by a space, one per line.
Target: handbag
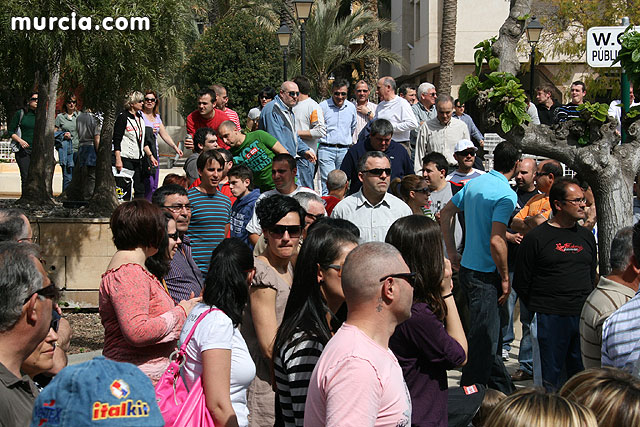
pixel 178 405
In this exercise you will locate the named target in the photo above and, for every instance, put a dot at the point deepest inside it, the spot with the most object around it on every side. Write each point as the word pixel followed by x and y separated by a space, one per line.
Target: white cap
pixel 464 144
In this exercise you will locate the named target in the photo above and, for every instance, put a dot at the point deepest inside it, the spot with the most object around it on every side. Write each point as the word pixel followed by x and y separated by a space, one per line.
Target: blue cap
pixel 100 392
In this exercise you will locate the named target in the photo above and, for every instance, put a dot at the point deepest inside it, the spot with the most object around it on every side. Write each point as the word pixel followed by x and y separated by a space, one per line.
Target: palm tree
pixel 330 42
pixel 447 45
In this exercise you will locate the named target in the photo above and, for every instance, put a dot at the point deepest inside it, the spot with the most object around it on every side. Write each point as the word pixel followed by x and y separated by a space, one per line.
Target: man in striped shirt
pixel 211 210
pixel 620 334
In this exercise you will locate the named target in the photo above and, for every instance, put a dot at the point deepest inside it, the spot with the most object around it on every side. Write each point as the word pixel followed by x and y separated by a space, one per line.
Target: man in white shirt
pixel 397 110
pixel 440 133
pixel 372 209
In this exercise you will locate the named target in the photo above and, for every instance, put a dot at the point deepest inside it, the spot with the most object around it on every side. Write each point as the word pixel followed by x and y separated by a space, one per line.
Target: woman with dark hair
pixel 141 321
pixel 66 123
pixel 265 96
pixel 282 220
pixel 21 130
pixel 217 351
pixel 152 119
pixel 160 263
pixel 432 340
pixel 316 295
pixel 413 190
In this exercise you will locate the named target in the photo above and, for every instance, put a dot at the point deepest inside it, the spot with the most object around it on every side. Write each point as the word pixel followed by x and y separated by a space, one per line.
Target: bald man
pixel 357 366
pixel 277 119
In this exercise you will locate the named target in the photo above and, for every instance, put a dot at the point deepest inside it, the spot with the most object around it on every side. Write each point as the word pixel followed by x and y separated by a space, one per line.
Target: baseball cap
pixel 98 392
pixel 464 144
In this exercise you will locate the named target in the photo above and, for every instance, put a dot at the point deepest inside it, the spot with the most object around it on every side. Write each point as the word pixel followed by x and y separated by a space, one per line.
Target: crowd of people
pixel 340 304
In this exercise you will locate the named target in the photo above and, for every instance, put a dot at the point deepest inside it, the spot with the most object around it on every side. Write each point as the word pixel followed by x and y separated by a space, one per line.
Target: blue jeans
pixel 525 356
pixel 329 158
pixel 559 342
pixel 306 171
pixel 65 157
pixel 484 363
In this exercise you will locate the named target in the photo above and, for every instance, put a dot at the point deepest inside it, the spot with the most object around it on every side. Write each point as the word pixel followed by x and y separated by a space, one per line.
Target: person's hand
pixel 188 142
pixel 188 304
pixel 67 135
pixel 154 161
pixel 23 143
pixel 446 286
pixel 481 143
pixel 119 165
pixel 514 238
pixel 506 290
pixel 362 109
pixel 310 155
pixel 437 217
pixel 178 151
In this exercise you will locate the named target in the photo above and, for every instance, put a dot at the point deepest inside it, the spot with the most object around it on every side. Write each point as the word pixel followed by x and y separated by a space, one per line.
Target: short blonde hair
pixel 534 407
pixel 612 394
pixel 132 98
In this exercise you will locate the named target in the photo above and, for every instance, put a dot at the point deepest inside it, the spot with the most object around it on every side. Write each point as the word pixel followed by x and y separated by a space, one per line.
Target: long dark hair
pixel 226 283
pixel 419 240
pixel 160 263
pixel 306 308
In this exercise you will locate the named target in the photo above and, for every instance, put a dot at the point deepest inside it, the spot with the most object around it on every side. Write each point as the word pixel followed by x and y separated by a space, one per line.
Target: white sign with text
pixel 603 45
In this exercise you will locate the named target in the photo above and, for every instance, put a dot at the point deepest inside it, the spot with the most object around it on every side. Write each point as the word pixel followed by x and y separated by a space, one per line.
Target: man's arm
pixel 409 121
pixel 447 225
pixel 279 148
pixel 499 255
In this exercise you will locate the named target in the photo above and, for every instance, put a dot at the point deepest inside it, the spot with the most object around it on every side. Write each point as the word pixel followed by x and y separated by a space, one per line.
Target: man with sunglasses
pixel 183 277
pixel 555 273
pixel 27 298
pixel 357 379
pixel 538 208
pixel 465 155
pixel 340 115
pixel 277 118
pixel 372 209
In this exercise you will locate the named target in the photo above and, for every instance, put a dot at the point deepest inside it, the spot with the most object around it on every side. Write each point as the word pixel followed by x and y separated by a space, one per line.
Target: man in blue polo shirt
pixel 487 202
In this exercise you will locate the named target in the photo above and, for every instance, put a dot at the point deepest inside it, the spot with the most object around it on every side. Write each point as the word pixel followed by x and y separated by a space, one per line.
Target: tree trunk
pixel 39 190
pixel 447 45
pixel 510 33
pixel 370 72
pixel 104 199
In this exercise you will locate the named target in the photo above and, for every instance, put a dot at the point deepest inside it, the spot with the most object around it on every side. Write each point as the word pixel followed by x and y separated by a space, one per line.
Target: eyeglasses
pixel 466 153
pixel 178 208
pixel 150 100
pixel 576 201
pixel 278 230
pixel 362 90
pixel 70 102
pixel 33 239
pixel 293 93
pixel 409 277
pixel 33 99
pixel 264 97
pixel 173 236
pixel 55 320
pixel 336 267
pixel 542 173
pixel 315 217
pixel 51 292
pixel 424 190
pixel 339 93
pixel 378 171
pixel 434 94
pixel 459 106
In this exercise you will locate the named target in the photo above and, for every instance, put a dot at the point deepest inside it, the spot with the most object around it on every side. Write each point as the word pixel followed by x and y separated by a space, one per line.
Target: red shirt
pixel 195 121
pixel 331 202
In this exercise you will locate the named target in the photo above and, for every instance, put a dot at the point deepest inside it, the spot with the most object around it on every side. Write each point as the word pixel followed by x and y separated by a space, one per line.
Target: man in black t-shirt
pixel 555 273
pixel 546 104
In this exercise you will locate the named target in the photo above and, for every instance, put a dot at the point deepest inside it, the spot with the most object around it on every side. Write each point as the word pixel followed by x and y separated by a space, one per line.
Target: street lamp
pixel 303 10
pixel 533 35
pixel 284 35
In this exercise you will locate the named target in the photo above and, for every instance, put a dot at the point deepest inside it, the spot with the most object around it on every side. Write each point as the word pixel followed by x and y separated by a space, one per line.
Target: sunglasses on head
pixel 378 171
pixel 278 231
pixel 51 292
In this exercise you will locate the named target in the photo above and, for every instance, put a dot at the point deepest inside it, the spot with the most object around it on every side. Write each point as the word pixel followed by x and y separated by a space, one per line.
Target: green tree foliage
pixel 236 53
pixel 329 42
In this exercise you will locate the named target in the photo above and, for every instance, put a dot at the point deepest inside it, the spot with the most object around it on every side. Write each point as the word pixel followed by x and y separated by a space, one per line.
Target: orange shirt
pixel 538 204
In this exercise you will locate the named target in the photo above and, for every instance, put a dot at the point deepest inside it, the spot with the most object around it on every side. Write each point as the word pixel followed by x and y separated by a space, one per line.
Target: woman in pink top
pixel 141 321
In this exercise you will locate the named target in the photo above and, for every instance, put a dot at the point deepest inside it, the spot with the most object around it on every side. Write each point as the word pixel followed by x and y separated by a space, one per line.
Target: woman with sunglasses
pixel 432 340
pixel 217 351
pixel 413 190
pixel 21 130
pixel 160 263
pixel 152 119
pixel 66 123
pixel 282 220
pixel 309 318
pixel 141 321
pixel 265 96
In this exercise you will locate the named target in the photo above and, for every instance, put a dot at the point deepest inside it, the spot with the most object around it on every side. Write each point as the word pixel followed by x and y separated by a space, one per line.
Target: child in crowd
pixel 241 186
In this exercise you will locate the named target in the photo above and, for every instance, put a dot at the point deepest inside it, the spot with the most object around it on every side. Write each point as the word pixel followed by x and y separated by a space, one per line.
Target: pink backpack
pixel 180 406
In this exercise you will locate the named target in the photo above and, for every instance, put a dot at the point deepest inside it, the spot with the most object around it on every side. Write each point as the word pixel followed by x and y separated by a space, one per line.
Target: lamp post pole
pixel 284 61
pixel 284 35
pixel 534 29
pixel 303 11
pixel 302 47
pixel 532 72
